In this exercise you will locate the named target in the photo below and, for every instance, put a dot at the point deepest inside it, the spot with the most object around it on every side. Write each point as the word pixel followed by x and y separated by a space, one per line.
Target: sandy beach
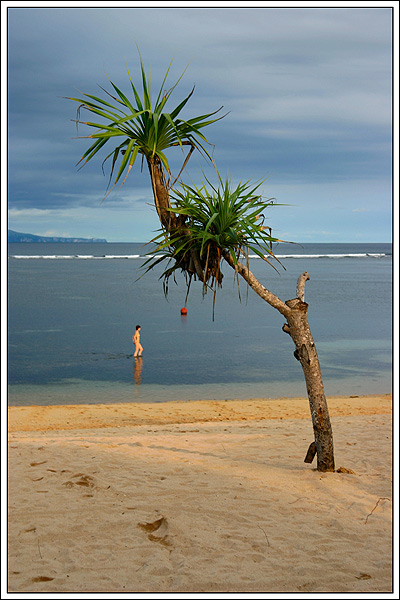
pixel 206 496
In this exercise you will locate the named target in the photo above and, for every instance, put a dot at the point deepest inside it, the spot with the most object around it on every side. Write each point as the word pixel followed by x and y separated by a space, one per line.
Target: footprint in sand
pixel 157 531
pixel 84 481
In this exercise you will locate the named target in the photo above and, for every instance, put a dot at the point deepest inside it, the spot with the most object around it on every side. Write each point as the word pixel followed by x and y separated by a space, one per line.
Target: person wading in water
pixel 136 341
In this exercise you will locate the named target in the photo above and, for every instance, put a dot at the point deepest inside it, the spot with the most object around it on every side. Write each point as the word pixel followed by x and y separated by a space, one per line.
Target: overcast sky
pixel 308 91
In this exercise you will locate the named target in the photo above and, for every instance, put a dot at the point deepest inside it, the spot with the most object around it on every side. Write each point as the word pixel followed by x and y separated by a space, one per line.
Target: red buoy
pixel 183 311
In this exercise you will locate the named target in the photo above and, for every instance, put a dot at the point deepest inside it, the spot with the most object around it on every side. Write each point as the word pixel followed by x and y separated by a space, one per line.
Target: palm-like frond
pixel 141 126
pixel 229 218
pixel 215 220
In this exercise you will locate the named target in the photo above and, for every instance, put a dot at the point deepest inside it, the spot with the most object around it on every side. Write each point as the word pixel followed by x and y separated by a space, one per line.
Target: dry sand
pixel 199 497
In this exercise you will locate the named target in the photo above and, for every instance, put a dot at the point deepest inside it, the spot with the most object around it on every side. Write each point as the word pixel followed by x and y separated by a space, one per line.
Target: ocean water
pixel 73 308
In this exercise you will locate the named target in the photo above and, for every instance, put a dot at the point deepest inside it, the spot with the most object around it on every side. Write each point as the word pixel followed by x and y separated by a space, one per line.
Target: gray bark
pixel 306 353
pixel 297 326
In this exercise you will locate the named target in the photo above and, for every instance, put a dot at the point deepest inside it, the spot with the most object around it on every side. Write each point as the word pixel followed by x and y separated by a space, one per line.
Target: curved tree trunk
pixel 167 218
pixel 160 193
pixel 299 330
pixel 297 326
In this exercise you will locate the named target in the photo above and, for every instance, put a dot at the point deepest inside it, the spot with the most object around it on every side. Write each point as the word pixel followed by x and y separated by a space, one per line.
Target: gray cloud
pixel 308 90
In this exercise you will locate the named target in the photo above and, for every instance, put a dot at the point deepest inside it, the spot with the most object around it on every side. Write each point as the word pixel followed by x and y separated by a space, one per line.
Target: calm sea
pixel 72 310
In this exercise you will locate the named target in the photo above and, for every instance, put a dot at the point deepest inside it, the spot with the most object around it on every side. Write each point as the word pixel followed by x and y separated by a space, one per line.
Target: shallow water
pixel 71 322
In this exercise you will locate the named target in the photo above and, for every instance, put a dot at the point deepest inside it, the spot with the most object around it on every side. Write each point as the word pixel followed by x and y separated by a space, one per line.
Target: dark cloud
pixel 308 90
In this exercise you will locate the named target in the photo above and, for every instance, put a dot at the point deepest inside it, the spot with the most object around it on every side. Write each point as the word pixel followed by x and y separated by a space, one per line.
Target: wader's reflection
pixel 137 369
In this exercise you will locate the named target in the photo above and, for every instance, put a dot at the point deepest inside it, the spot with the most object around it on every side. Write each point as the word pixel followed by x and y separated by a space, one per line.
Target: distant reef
pixel 15 236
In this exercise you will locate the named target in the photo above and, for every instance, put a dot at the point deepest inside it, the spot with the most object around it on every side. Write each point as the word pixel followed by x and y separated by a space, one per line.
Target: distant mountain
pixel 15 236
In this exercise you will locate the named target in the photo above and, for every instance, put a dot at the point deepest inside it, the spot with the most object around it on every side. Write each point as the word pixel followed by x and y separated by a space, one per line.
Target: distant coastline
pixel 16 237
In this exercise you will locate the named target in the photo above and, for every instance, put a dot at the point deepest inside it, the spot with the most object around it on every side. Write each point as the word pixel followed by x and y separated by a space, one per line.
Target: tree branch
pixel 253 282
pixel 300 285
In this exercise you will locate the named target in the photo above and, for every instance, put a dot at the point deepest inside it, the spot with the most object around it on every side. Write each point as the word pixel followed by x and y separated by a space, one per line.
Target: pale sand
pixel 199 497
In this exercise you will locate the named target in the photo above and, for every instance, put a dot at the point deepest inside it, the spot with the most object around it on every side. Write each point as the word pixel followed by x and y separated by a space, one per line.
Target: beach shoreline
pixel 84 416
pixel 204 496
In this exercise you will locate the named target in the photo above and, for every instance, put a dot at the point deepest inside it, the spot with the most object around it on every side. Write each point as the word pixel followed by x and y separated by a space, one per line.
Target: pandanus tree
pixel 204 226
pixel 142 126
